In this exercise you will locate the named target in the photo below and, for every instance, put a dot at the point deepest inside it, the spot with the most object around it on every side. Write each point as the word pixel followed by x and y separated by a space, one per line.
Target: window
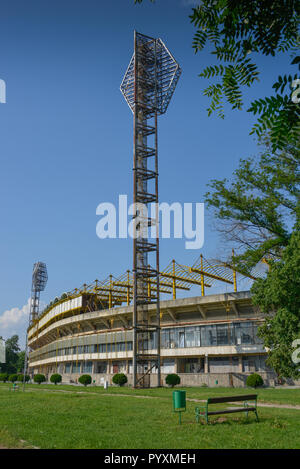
pixel 219 365
pixel 168 366
pixel 208 336
pixel 101 367
pixel 223 334
pixel 247 335
pixel 194 365
pixel 87 367
pixel 189 337
pixel 76 367
pixel 181 339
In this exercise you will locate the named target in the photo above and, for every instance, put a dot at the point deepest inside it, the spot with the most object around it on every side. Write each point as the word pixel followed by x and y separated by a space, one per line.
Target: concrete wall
pixel 235 380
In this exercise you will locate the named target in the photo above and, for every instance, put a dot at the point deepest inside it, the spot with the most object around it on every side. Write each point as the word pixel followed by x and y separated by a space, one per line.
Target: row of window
pixel 243 333
pixel 211 335
pixel 185 365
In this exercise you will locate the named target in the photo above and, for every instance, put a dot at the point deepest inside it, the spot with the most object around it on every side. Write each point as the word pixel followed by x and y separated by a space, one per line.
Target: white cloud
pixel 14 316
pixel 15 321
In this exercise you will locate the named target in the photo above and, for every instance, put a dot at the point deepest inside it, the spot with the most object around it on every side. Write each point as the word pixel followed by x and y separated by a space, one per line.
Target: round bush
pixel 85 379
pixel 3 377
pixel 120 379
pixel 56 378
pixel 13 378
pixel 39 378
pixel 254 380
pixel 21 378
pixel 172 380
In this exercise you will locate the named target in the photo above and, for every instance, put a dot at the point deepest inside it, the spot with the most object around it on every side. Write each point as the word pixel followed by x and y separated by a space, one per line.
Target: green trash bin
pixel 179 402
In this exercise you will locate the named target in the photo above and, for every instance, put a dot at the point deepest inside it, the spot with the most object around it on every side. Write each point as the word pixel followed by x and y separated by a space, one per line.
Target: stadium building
pixel 207 339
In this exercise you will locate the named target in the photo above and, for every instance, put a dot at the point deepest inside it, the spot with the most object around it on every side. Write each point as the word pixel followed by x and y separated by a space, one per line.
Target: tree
pixel 85 379
pixel 172 380
pixel 254 380
pixel 278 296
pixel 259 207
pixel 39 378
pixel 236 30
pixel 55 378
pixel 21 361
pixel 120 379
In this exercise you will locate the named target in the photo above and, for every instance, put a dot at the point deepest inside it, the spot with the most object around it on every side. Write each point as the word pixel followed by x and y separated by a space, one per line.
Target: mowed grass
pixel 45 417
pixel 268 395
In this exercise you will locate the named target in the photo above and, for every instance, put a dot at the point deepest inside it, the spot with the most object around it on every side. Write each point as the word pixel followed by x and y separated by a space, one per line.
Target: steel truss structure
pixel 148 86
pixel 39 281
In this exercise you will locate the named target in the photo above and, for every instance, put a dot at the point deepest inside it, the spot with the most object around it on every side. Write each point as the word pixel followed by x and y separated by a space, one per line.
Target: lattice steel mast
pixel 39 281
pixel 147 86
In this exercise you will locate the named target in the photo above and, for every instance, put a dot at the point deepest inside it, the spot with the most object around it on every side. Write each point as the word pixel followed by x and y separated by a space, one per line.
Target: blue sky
pixel 66 139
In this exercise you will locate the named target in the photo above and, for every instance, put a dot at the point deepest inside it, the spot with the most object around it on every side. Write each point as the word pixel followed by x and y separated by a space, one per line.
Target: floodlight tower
pixel 39 281
pixel 147 86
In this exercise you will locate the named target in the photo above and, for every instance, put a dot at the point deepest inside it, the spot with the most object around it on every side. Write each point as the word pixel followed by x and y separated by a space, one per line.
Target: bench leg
pixel 201 414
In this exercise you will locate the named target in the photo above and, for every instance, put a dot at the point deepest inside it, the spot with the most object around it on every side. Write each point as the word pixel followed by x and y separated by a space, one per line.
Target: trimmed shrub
pixel 172 380
pixel 13 378
pixel 120 379
pixel 55 378
pixel 21 378
pixel 39 378
pixel 85 379
pixel 254 380
pixel 3 377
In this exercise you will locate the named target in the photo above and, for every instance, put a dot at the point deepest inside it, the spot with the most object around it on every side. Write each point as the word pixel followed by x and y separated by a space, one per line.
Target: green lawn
pixel 95 419
pixel 271 395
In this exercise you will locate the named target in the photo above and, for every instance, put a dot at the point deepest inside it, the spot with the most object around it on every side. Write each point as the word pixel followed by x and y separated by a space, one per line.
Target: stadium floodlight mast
pixel 148 86
pixel 39 281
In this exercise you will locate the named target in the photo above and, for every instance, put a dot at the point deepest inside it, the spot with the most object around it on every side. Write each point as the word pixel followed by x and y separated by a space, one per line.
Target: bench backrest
pixel 245 397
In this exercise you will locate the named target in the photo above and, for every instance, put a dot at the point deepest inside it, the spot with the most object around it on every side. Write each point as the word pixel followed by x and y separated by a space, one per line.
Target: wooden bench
pixel 14 387
pixel 202 411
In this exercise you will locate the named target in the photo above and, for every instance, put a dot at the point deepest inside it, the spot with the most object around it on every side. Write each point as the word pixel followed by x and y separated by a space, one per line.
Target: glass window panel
pixel 101 367
pixel 181 339
pixel 247 333
pixel 223 331
pixel 76 367
pixel 208 336
pixel 87 367
pixel 189 337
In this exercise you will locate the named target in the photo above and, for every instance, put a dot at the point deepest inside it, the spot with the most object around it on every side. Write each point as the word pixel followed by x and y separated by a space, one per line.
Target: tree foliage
pixel 56 378
pixel 85 379
pixel 278 296
pixel 259 207
pixel 39 378
pixel 254 381
pixel 236 30
pixel 120 379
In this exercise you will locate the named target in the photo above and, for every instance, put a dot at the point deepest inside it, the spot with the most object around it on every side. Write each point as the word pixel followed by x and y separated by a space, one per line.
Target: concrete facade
pixel 208 340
